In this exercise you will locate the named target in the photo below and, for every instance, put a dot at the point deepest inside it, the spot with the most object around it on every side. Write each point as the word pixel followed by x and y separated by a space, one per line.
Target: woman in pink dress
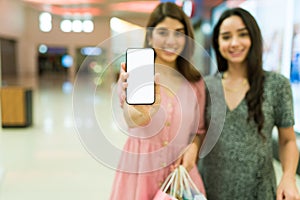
pixel 168 133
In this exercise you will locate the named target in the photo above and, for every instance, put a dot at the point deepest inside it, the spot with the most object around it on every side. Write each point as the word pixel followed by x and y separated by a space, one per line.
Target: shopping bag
pixel 167 190
pixel 179 186
pixel 161 195
pixel 188 188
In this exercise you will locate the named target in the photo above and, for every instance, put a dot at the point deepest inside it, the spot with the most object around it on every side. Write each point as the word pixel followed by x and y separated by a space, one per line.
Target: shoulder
pixel 212 77
pixel 213 81
pixel 276 85
pixel 198 85
pixel 275 76
pixel 275 79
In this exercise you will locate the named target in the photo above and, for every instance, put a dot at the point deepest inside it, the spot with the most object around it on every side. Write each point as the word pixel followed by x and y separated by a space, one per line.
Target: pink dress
pixel 150 150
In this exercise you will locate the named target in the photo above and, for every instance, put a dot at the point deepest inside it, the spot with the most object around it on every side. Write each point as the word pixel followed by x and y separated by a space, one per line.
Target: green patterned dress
pixel 239 165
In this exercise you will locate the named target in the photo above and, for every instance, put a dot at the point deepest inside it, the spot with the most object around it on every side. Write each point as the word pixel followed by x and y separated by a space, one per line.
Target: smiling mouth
pixel 237 53
pixel 170 51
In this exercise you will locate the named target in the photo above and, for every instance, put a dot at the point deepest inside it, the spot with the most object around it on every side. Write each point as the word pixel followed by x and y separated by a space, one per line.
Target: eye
pixel 244 34
pixel 162 32
pixel 179 34
pixel 225 37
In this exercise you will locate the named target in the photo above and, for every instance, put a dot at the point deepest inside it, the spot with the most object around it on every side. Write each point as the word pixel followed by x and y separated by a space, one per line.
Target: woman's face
pixel 168 40
pixel 234 40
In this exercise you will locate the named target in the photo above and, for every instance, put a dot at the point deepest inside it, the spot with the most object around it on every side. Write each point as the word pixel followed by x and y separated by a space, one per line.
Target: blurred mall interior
pixel 46 49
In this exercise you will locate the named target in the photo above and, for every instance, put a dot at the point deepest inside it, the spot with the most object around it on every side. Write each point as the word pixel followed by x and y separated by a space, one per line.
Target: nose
pixel 235 41
pixel 171 38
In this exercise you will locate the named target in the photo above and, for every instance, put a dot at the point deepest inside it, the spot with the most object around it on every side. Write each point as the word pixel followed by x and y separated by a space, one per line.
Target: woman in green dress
pixel 240 164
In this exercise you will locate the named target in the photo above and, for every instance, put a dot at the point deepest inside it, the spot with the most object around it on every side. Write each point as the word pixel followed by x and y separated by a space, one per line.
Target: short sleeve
pixel 284 111
pixel 200 92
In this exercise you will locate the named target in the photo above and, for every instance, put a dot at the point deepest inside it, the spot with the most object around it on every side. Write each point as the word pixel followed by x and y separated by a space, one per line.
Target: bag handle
pixel 189 183
pixel 169 180
pixel 177 185
pixel 187 180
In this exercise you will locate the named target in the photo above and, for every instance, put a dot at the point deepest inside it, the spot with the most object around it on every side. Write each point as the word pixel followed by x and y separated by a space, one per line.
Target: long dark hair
pixel 255 73
pixel 171 10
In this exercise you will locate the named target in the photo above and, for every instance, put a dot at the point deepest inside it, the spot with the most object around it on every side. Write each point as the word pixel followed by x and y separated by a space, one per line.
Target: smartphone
pixel 140 68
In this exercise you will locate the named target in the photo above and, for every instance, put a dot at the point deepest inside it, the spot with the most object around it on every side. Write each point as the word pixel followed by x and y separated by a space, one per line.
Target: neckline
pixel 235 108
pixel 224 91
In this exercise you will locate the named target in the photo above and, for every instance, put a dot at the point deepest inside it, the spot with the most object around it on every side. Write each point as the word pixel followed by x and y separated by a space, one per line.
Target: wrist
pixel 289 176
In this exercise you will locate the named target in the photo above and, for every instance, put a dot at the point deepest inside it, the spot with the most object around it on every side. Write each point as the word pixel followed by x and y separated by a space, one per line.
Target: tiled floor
pixel 49 160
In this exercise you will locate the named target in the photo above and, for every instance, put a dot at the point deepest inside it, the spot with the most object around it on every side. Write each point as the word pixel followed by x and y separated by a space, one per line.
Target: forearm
pixel 135 117
pixel 289 156
pixel 197 142
pixel 194 148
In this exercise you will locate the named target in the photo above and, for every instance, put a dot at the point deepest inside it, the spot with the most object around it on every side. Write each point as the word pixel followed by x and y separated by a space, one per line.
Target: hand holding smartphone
pixel 140 68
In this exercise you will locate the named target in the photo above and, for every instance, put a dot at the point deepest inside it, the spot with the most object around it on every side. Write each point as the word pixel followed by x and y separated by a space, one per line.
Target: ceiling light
pixel 77 26
pixel 88 26
pixel 45 17
pixel 45 27
pixel 66 25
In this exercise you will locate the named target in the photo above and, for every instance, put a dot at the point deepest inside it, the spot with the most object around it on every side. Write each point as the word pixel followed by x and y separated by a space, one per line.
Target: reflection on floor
pixel 49 160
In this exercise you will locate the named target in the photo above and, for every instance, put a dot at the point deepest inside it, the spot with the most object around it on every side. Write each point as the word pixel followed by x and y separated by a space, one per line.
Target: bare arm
pixel 289 156
pixel 137 115
pixel 288 153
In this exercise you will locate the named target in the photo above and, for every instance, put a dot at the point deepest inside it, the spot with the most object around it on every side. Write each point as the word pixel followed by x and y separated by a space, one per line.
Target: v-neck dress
pixel 240 166
pixel 149 151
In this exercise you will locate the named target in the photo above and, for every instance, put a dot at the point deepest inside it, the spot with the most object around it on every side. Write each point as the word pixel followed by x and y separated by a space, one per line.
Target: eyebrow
pixel 239 30
pixel 164 28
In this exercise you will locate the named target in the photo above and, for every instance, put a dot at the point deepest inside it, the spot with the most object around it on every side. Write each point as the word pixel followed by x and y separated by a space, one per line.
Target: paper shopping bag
pixel 188 187
pixel 161 195
pixel 167 191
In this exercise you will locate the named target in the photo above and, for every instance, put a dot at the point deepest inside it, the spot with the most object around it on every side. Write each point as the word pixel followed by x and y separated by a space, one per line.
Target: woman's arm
pixel 136 115
pixel 289 156
pixel 190 156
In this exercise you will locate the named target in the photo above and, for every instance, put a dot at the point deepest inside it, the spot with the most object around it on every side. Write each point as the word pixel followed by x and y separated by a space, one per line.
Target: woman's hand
pixel 122 84
pixel 289 155
pixel 287 189
pixel 137 115
pixel 187 160
pixel 190 156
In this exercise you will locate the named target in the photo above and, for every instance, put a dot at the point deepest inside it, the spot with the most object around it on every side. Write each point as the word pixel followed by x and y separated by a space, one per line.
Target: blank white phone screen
pixel 140 68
